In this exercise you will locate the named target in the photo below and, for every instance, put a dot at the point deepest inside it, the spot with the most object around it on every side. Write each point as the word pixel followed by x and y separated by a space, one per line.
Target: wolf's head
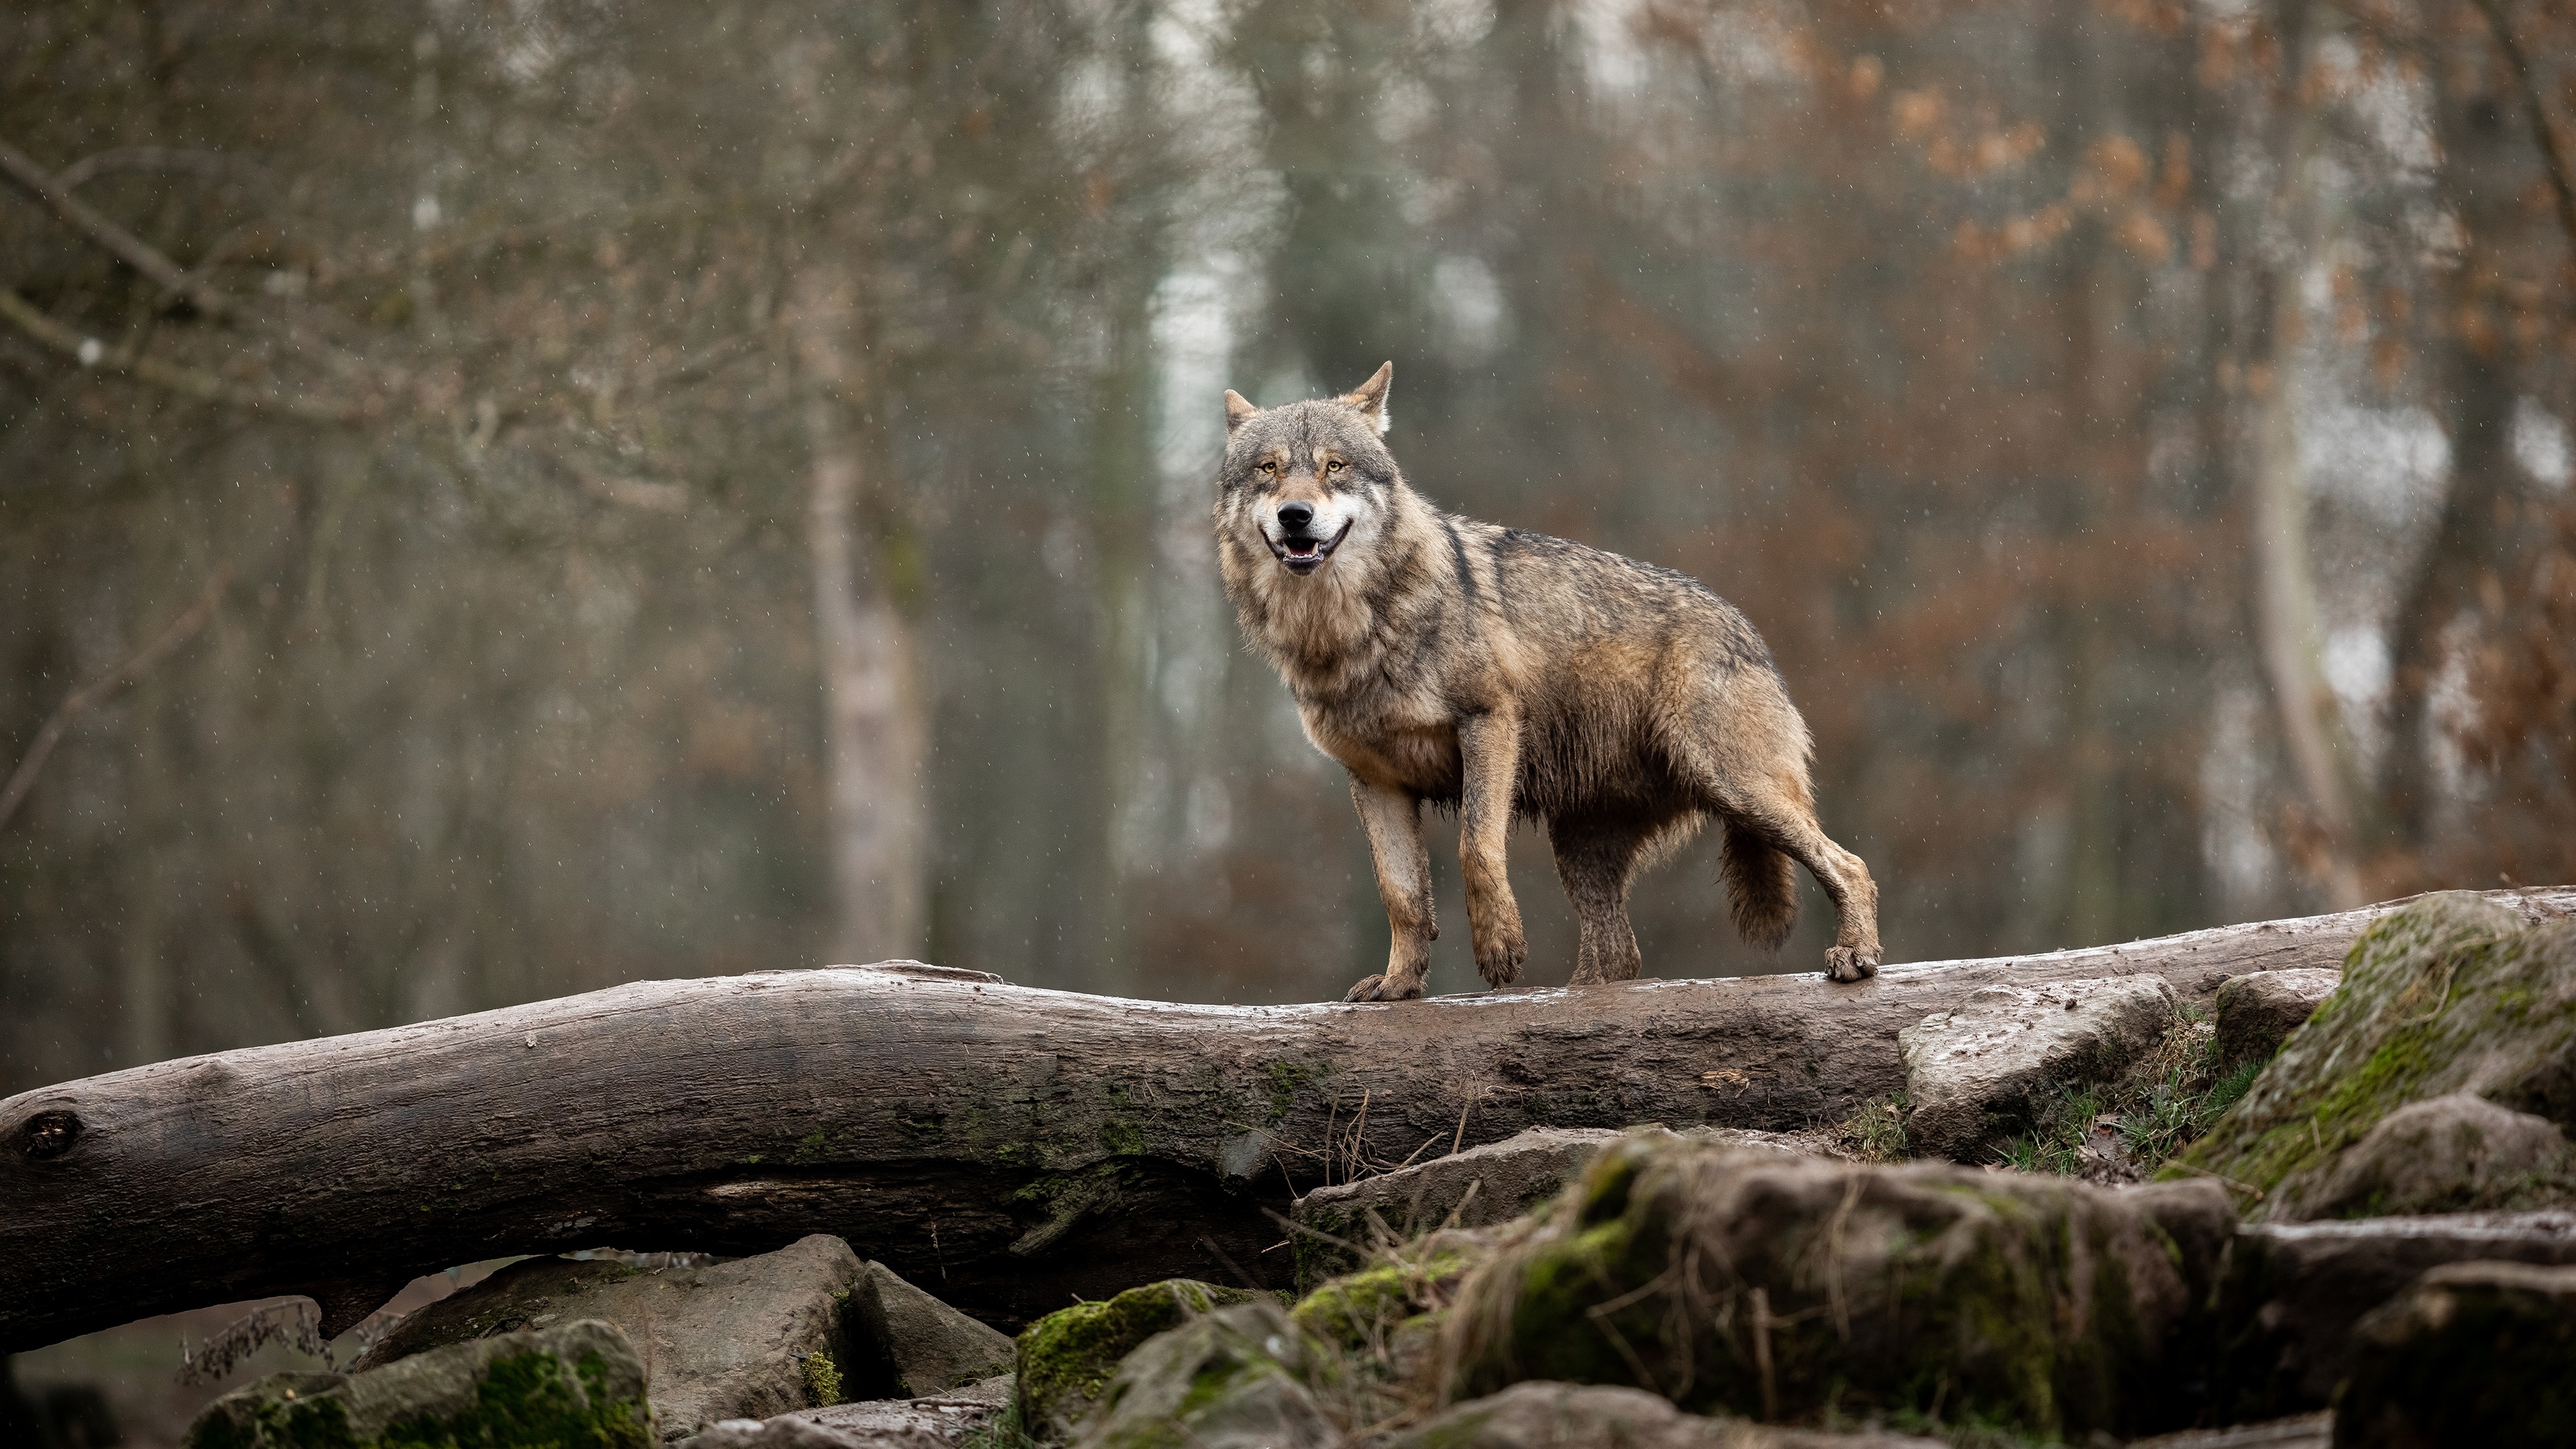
pixel 1304 481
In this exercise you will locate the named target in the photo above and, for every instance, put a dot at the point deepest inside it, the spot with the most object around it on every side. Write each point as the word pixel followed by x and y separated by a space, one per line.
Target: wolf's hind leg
pixel 1854 954
pixel 1754 774
pixel 1596 859
pixel 1393 820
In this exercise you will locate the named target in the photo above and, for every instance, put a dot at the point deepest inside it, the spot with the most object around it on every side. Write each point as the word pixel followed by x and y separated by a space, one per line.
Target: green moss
pixel 2451 993
pixel 1350 1310
pixel 1064 1360
pixel 822 1380
pixel 1284 1079
pixel 1122 1138
pixel 533 1399
pixel 812 1147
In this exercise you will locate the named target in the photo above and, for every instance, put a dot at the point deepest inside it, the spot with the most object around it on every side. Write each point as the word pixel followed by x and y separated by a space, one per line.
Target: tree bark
pixel 1002 1146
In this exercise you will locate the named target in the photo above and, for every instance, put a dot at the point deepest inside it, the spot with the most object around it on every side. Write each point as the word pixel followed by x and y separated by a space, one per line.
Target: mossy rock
pixel 730 1340
pixel 1242 1377
pixel 578 1386
pixel 2451 994
pixel 1359 1308
pixel 1486 1184
pixel 1065 1360
pixel 1794 1290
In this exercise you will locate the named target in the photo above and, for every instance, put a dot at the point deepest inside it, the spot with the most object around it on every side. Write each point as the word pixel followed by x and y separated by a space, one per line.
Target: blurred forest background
pixel 500 497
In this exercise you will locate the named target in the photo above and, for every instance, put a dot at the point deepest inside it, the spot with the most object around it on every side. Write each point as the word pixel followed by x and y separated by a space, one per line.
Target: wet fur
pixel 1515 675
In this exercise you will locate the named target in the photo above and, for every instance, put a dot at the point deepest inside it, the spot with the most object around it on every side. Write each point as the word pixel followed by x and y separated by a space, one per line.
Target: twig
pixel 1762 1355
pixel 128 248
pixel 60 721
pixel 89 352
pixel 144 158
pixel 1230 1265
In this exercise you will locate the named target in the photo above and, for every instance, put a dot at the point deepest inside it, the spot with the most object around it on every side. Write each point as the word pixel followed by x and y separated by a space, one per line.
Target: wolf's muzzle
pixel 1305 555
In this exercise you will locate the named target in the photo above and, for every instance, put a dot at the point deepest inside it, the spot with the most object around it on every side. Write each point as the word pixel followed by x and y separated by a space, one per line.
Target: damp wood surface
pixel 1004 1147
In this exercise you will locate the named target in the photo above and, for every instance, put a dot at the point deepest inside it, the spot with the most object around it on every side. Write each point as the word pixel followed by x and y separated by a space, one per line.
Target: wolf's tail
pixel 1761 887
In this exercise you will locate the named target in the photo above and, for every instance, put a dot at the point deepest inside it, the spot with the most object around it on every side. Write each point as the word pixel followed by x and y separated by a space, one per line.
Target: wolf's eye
pixel 1334 466
pixel 1268 467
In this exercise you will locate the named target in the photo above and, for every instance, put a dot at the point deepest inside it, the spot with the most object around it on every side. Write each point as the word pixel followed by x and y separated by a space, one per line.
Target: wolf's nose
pixel 1296 515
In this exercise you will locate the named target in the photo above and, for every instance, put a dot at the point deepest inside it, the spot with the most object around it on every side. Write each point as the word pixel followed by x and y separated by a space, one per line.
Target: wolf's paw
pixel 1379 988
pixel 1499 958
pixel 1849 963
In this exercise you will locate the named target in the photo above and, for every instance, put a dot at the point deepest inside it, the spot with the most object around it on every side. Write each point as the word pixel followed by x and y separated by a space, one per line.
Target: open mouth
pixel 1305 555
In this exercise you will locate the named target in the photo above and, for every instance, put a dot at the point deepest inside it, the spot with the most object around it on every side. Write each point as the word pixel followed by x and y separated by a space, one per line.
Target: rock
pixel 2259 1010
pixel 2450 994
pixel 2473 1353
pixel 744 1339
pixel 915 1345
pixel 2460 1153
pixel 1239 1378
pixel 1483 1185
pixel 2292 1292
pixel 1489 1184
pixel 1371 1304
pixel 1971 1073
pixel 2304 1431
pixel 1066 1359
pixel 1571 1416
pixel 1778 1288
pixel 575 1383
pixel 940 1421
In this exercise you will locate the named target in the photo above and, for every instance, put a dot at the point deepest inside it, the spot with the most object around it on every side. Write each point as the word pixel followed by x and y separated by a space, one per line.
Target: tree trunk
pixel 2285 594
pixel 1001 1146
pixel 2482 183
pixel 874 731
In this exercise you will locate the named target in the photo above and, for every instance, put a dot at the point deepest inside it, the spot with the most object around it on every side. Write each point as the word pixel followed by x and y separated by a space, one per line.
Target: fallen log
pixel 1002 1146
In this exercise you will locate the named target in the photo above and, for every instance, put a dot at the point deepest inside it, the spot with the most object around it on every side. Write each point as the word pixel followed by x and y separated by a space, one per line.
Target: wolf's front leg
pixel 1393 820
pixel 1489 764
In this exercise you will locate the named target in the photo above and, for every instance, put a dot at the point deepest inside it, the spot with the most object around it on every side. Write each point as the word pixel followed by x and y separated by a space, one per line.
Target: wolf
pixel 1512 675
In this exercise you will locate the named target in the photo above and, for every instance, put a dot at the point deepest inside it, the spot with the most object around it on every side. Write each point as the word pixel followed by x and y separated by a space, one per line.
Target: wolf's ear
pixel 1237 408
pixel 1370 397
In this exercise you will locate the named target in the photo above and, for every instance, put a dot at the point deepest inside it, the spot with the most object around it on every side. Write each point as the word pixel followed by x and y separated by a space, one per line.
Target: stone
pixel 1065 1360
pixel 2452 993
pixel 2460 1153
pixel 2291 1293
pixel 745 1339
pixel 914 1345
pixel 1779 1288
pixel 2258 1011
pixel 1575 1416
pixel 2471 1353
pixel 576 1383
pixel 1239 1378
pixel 941 1421
pixel 1972 1074
pixel 1489 1184
pixel 1484 1185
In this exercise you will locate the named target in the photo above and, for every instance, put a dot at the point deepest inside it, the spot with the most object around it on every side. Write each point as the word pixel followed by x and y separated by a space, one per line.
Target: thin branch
pixel 2552 155
pixel 80 700
pixel 143 158
pixel 91 353
pixel 128 248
